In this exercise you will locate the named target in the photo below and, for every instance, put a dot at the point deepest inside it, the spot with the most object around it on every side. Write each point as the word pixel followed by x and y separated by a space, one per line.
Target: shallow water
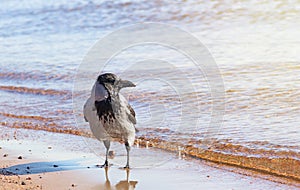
pixel 255 45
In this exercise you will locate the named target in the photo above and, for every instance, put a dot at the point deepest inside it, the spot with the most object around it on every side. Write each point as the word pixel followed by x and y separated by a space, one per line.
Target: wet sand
pixel 42 160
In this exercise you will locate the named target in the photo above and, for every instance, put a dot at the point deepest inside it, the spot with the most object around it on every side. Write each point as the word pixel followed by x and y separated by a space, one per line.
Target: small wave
pixel 37 91
pixel 49 127
pixel 35 76
pixel 34 117
pixel 192 97
pixel 281 165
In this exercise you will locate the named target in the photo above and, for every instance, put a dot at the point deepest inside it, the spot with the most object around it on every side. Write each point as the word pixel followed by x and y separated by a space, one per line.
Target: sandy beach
pixel 42 160
pixel 216 99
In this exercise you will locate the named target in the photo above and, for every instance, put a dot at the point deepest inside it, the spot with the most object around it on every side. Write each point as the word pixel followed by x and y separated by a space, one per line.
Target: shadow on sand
pixel 65 165
pixel 42 167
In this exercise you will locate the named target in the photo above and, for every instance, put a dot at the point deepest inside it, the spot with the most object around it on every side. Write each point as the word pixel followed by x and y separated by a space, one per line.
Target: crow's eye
pixel 112 81
pixel 109 80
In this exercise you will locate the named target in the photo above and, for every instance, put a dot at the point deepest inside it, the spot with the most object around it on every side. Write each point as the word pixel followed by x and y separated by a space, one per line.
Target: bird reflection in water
pixel 122 185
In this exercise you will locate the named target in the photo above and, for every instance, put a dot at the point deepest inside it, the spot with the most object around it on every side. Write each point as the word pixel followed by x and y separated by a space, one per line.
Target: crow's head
pixel 113 83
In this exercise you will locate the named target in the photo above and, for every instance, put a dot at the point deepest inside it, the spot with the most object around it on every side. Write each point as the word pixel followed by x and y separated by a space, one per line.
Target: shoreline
pixel 63 160
pixel 282 167
pixel 281 164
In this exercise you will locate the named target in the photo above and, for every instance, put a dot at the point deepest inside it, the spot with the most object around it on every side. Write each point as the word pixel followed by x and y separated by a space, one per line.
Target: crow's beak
pixel 126 83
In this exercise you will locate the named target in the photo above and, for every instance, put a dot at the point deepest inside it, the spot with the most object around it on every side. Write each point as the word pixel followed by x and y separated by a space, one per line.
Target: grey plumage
pixel 109 114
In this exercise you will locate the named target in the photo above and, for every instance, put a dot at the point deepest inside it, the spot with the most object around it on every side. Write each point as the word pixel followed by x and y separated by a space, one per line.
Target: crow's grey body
pixel 109 114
